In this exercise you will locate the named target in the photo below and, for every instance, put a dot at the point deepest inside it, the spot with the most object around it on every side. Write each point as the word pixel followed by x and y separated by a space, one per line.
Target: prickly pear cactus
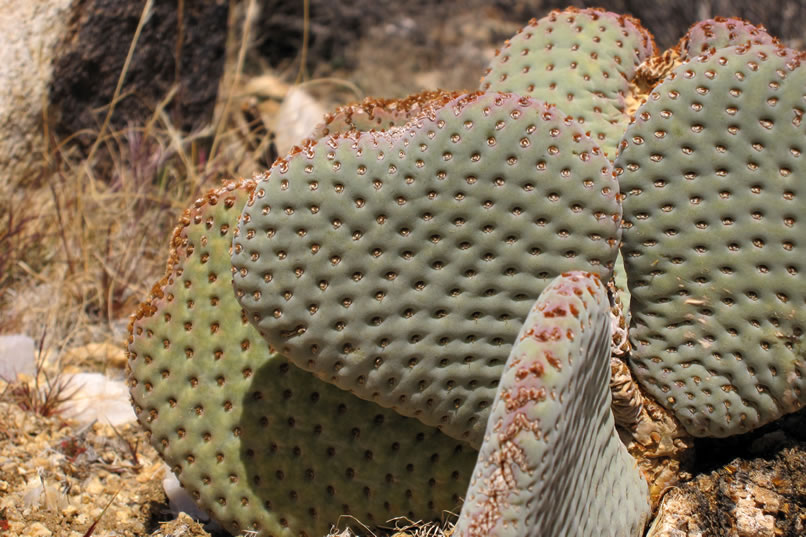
pixel 551 462
pixel 703 37
pixel 582 60
pixel 706 36
pixel 261 444
pixel 381 114
pixel 713 173
pixel 400 265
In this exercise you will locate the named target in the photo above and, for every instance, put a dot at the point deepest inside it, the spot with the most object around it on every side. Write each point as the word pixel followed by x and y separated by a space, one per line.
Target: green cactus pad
pixel 381 114
pixel 582 60
pixel 713 172
pixel 261 444
pixel 552 462
pixel 703 37
pixel 706 36
pixel 400 265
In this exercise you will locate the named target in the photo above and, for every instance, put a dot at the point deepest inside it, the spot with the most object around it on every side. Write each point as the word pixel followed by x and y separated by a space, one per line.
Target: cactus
pixel 712 172
pixel 551 420
pixel 381 114
pixel 261 444
pixel 397 252
pixel 703 37
pixel 582 60
pixel 706 36
pixel 400 265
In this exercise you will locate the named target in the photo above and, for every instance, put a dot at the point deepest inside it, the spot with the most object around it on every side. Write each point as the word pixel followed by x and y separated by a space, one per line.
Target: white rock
pixel 98 397
pixel 39 494
pixel 178 498
pixel 16 356
pixel 296 118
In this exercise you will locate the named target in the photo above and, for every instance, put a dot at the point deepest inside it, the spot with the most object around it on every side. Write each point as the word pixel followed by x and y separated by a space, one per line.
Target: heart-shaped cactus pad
pixel 380 114
pixel 713 173
pixel 262 445
pixel 582 60
pixel 401 264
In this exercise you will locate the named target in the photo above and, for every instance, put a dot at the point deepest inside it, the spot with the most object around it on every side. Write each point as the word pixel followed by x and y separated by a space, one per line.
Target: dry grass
pixel 83 239
pixel 403 527
pixel 84 235
pixel 43 394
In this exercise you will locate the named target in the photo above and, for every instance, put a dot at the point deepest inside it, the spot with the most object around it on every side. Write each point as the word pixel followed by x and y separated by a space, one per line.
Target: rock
pixel 104 354
pixel 178 498
pixel 29 32
pixel 97 397
pixel 761 497
pixel 67 55
pixel 296 118
pixel 16 352
pixel 37 529
pixel 182 526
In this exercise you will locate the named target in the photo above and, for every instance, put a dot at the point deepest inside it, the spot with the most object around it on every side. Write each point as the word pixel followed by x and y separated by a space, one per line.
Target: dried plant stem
pixel 121 78
pixel 306 30
pixel 250 14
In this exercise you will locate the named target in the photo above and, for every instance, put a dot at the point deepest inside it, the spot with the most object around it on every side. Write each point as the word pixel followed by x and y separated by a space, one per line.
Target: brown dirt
pixel 56 478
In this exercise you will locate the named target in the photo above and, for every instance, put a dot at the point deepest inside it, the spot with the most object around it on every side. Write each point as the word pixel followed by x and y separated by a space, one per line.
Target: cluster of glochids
pixel 383 355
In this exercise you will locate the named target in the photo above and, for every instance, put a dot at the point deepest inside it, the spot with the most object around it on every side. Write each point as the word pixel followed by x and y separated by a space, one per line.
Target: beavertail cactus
pixel 383 270
pixel 706 36
pixel 582 60
pixel 400 264
pixel 381 114
pixel 712 169
pixel 703 37
pixel 551 462
pixel 261 444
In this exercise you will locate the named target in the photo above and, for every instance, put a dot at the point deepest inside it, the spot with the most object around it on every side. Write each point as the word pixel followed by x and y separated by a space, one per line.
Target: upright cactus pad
pixel 713 172
pixel 400 265
pixel 581 60
pixel 261 444
pixel 381 114
pixel 551 462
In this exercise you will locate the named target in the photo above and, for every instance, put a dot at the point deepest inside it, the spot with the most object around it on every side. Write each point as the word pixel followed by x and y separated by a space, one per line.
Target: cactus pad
pixel 706 36
pixel 400 264
pixel 551 462
pixel 703 37
pixel 261 444
pixel 580 60
pixel 713 173
pixel 381 114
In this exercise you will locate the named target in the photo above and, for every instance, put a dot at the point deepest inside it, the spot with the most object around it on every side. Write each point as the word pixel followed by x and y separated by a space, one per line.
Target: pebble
pixel 98 398
pixel 37 529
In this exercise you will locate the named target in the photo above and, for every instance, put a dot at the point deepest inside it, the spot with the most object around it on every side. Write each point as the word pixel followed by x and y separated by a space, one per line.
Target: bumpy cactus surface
pixel 581 60
pixel 706 36
pixel 397 252
pixel 261 444
pixel 551 462
pixel 400 265
pixel 702 38
pixel 713 172
pixel 381 114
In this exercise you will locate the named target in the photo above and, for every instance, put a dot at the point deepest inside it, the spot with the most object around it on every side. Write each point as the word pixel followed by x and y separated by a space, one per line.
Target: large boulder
pixel 61 60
